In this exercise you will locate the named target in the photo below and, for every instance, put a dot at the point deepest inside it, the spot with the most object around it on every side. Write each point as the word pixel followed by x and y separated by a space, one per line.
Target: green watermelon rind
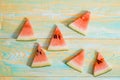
pixel 73 27
pixel 47 64
pixel 74 67
pixel 105 71
pixel 40 66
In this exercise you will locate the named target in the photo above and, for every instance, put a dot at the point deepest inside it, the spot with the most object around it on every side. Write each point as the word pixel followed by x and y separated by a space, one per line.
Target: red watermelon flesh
pixel 40 58
pixel 77 61
pixel 26 32
pixel 101 66
pixel 57 41
pixel 81 24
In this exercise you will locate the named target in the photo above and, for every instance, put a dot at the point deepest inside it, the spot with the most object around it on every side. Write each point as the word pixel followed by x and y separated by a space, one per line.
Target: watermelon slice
pixel 26 32
pixel 80 24
pixel 40 58
pixel 77 61
pixel 101 66
pixel 57 41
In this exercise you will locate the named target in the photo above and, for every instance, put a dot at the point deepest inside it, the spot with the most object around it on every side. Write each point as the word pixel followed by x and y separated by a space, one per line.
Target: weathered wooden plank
pixel 108 30
pixel 14 57
pixel 59 78
pixel 104 22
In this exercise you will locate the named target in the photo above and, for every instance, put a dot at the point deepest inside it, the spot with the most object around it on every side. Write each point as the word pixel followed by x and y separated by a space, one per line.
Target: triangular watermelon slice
pixel 57 41
pixel 101 66
pixel 26 32
pixel 40 58
pixel 77 61
pixel 81 24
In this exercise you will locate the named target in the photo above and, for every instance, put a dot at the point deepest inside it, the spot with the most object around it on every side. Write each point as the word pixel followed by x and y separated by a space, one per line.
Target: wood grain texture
pixel 43 15
pixel 103 35
pixel 14 57
pixel 58 78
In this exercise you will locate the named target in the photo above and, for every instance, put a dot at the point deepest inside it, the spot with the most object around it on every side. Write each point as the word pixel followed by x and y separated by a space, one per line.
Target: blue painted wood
pixel 15 56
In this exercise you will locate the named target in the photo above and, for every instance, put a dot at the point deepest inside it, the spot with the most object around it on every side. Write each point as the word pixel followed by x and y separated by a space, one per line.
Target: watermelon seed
pixel 55 36
pixel 59 36
pixel 40 52
pixel 99 61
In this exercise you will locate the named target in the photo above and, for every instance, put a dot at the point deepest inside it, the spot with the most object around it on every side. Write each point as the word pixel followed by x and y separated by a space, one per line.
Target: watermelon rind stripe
pixel 104 71
pixel 73 27
pixel 69 63
pixel 26 39
pixel 41 65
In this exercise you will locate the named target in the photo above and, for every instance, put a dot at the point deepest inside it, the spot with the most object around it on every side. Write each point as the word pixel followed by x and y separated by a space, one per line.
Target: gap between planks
pixel 74 38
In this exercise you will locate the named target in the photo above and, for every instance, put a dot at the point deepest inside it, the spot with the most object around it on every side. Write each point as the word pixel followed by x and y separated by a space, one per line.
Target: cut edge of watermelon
pixel 58 48
pixel 102 72
pixel 39 64
pixel 73 27
pixel 74 66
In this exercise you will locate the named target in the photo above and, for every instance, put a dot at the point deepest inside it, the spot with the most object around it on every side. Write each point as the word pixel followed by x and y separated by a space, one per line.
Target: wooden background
pixel 103 35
